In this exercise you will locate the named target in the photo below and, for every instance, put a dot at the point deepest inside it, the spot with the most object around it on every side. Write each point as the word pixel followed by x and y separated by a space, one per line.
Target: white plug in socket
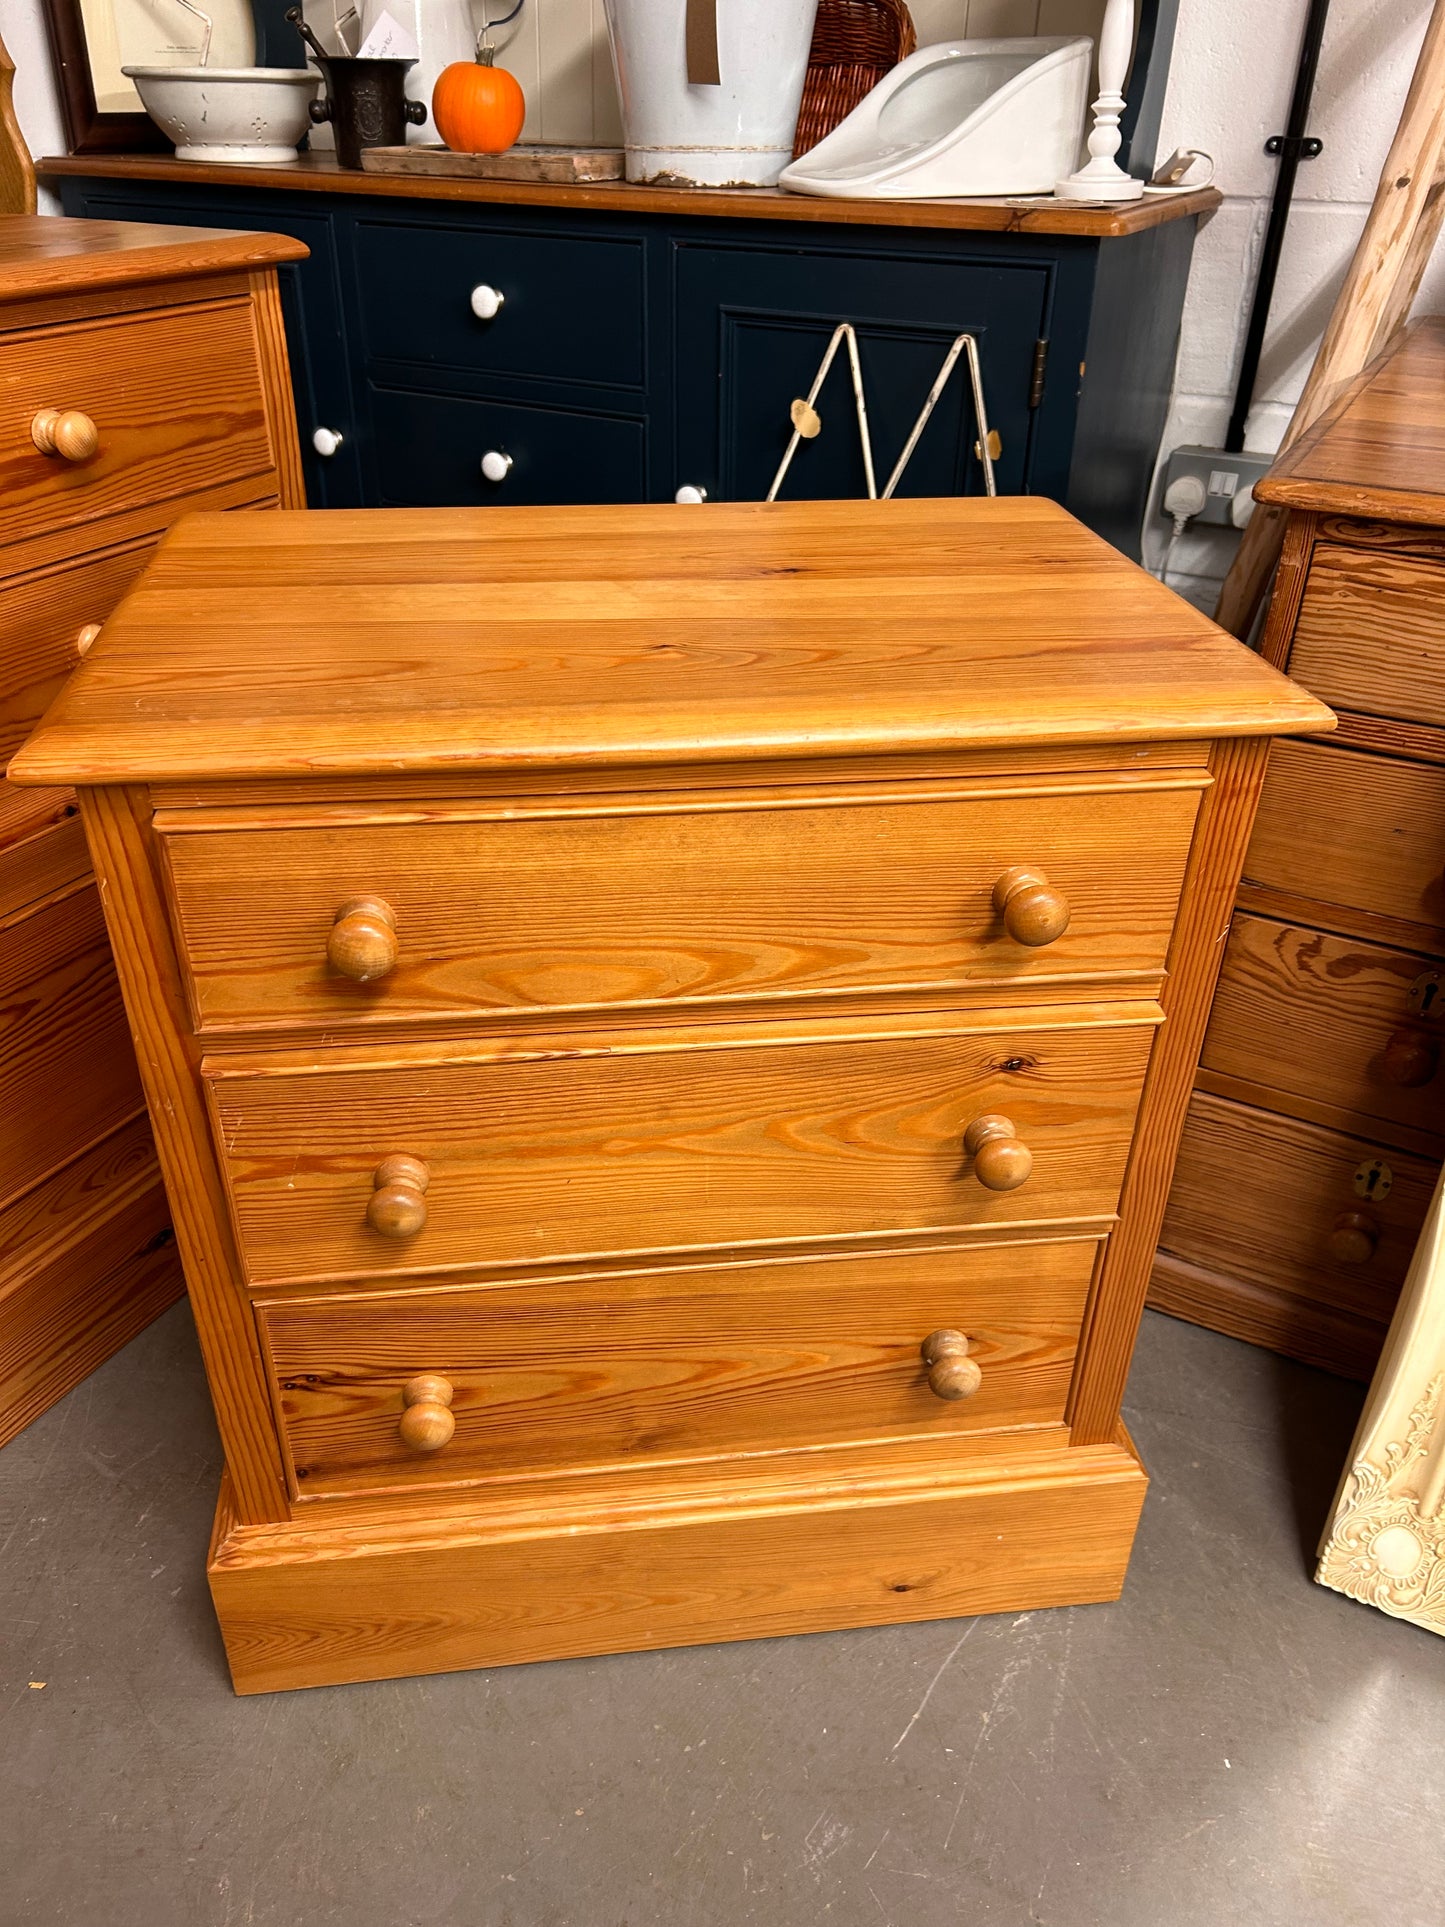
pixel 1183 499
pixel 1242 507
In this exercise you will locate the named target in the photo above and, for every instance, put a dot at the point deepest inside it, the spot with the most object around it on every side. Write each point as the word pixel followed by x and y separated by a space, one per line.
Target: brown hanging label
pixel 702 60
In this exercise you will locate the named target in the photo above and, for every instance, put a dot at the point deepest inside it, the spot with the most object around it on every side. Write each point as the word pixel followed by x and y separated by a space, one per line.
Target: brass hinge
pixel 1036 379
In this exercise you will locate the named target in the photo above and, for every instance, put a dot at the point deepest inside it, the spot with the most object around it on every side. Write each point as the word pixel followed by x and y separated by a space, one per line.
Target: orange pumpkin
pixel 478 108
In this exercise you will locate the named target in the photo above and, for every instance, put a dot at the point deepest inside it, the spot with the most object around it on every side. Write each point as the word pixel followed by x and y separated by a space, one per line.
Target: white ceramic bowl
pixel 250 115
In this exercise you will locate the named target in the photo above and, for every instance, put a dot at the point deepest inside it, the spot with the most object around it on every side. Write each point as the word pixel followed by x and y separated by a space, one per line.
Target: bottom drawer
pixel 1328 1218
pixel 688 1363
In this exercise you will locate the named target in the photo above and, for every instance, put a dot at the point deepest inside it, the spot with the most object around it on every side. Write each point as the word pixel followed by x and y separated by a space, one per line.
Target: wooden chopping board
pixel 528 161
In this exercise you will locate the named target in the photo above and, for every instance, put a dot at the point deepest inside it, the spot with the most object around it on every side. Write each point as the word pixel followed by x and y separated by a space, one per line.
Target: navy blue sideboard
pixel 642 346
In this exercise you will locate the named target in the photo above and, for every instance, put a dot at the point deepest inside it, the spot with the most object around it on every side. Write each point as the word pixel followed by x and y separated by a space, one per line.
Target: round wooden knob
pixel 66 432
pixel 951 1372
pixel 1033 911
pixel 397 1206
pixel 85 637
pixel 1353 1238
pixel 427 1422
pixel 362 943
pixel 1001 1159
pixel 1410 1058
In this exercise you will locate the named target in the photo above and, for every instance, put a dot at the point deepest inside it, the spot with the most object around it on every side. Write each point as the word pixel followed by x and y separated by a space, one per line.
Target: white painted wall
pixel 1229 90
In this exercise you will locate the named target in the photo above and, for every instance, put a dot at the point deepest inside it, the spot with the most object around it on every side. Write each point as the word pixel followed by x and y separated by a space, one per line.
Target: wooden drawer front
pixel 571 309
pixel 41 616
pixel 67 1070
pixel 1364 832
pixel 1371 633
pixel 671 1365
pixel 1332 1020
pixel 641 1142
pixel 1258 1196
pixel 176 396
pixel 588 909
pixel 43 864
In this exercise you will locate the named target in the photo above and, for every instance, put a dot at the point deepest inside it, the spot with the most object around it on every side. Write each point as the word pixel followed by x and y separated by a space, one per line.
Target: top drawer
pixel 596 904
pixel 1371 633
pixel 175 397
pixel 570 306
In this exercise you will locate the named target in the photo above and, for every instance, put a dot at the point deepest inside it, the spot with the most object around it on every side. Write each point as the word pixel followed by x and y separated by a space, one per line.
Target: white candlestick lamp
pixel 1101 178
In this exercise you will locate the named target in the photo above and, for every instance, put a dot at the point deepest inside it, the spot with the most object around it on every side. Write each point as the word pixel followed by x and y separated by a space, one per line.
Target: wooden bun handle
pixel 1033 911
pixel 66 432
pixel 397 1206
pixel 951 1372
pixel 1410 1058
pixel 427 1421
pixel 1354 1237
pixel 86 638
pixel 1001 1159
pixel 362 943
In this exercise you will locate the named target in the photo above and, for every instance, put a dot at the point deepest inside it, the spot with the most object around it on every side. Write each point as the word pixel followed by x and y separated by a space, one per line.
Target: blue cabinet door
pixel 754 322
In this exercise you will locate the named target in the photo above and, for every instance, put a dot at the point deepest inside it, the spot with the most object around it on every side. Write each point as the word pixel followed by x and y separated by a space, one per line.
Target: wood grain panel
pixel 86 1261
pixel 321 174
pixel 1316 1334
pixel 1366 832
pixel 667 900
pixel 671 1365
pixel 627 636
pixel 1117 1304
pixel 178 398
pixel 1256 1196
pixel 1310 1015
pixel 52 861
pixel 47 255
pixel 302 1606
pixel 40 617
pixel 651 1141
pixel 1369 635
pixel 67 1069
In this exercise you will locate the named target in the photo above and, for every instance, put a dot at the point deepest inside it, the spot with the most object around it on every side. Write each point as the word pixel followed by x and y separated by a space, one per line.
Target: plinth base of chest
pixel 305 1604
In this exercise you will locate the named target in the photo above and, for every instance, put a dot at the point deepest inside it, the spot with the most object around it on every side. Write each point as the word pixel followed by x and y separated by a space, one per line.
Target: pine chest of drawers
pixel 142 375
pixel 1319 1072
pixel 667 1033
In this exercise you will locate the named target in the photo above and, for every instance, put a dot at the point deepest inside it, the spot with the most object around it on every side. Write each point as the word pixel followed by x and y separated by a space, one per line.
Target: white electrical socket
pixel 1224 477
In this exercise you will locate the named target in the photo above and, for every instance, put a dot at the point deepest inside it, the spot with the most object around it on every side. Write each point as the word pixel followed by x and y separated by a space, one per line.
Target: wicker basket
pixel 855 43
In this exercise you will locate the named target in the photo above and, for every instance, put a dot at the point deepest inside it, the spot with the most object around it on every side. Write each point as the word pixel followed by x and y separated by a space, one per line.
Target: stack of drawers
pixel 1316 1132
pixel 142 374
pixel 667 1035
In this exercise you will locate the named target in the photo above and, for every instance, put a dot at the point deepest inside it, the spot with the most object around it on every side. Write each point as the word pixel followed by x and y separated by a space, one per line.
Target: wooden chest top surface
pixel 44 254
pixel 1380 451
pixel 404 641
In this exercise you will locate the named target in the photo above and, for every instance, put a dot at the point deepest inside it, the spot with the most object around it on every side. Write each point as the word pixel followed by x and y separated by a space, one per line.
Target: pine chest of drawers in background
pixel 1317 1128
pixel 142 374
pixel 667 1031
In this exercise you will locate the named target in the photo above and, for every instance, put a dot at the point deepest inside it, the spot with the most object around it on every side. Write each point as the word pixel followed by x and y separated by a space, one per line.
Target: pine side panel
pixel 118 831
pixel 1196 955
pixel 276 382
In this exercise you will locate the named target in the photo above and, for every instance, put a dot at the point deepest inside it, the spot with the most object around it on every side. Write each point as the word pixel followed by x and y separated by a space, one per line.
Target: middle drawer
pixel 660 1141
pixel 701 900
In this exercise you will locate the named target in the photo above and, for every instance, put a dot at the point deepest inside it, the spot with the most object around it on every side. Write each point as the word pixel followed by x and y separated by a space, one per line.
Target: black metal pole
pixel 1292 147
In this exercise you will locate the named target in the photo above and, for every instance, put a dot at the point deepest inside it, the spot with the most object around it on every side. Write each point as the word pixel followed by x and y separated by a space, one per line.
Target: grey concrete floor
pixel 1228 1744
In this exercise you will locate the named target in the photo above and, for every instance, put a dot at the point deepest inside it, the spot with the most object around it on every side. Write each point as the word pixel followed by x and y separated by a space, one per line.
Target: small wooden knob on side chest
pixel 1001 1159
pixel 951 1372
pixel 1410 1059
pixel 66 432
pixel 1354 1237
pixel 427 1421
pixel 1033 911
pixel 397 1206
pixel 86 638
pixel 362 943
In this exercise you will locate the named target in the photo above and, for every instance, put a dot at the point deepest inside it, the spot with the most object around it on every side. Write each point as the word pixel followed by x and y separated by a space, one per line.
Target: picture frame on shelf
pixel 91 40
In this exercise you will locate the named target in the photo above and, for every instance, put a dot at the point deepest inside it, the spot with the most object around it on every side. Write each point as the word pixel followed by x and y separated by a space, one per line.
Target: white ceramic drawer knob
pixel 487 302
pixel 690 492
pixel 326 441
pixel 496 465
